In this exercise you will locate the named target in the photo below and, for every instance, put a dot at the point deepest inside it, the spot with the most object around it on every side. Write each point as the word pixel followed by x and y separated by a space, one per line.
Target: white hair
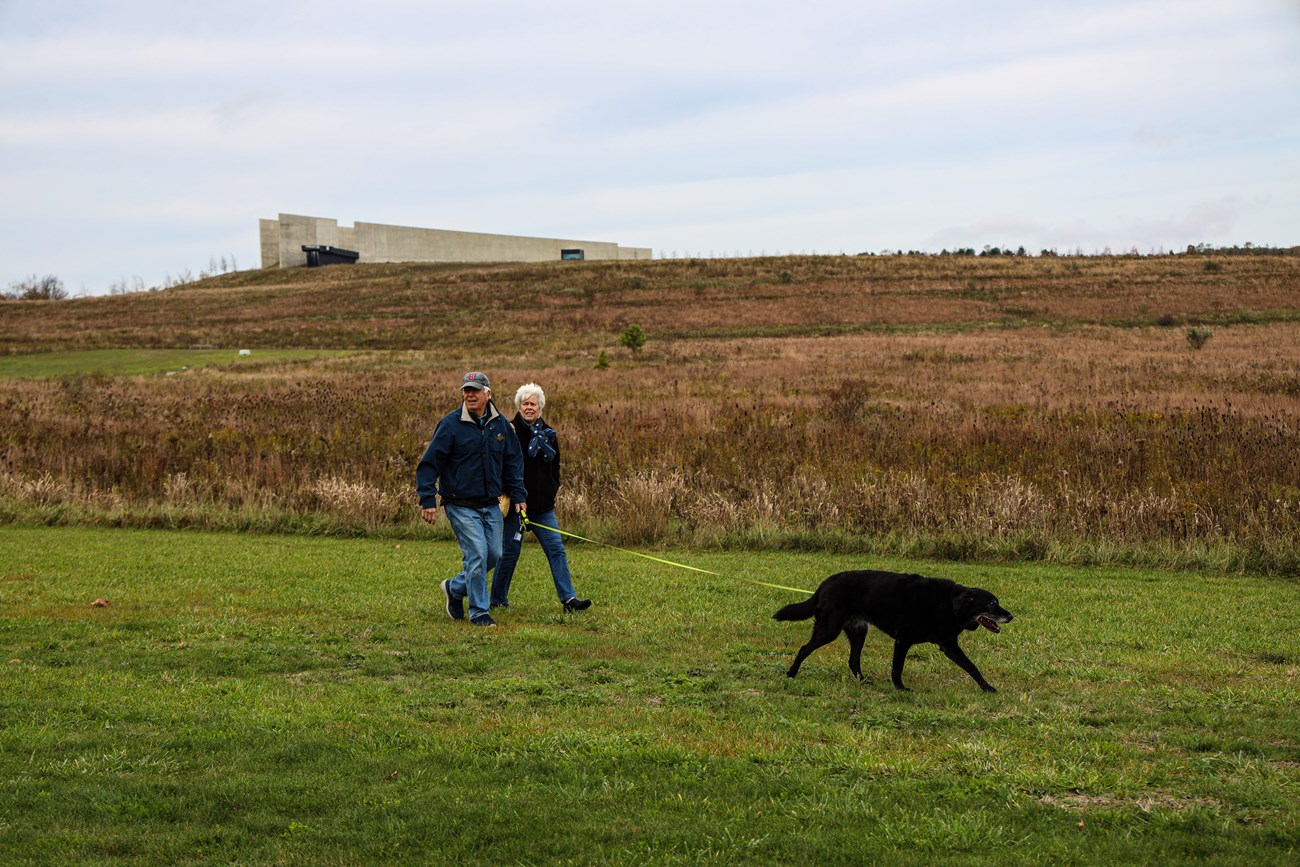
pixel 531 389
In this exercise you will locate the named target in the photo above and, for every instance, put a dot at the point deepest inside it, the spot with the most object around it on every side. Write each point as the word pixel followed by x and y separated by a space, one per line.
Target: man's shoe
pixel 499 605
pixel 483 620
pixel 455 607
pixel 575 604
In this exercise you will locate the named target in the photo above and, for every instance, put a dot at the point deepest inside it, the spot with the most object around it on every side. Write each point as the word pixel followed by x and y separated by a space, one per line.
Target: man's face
pixel 475 400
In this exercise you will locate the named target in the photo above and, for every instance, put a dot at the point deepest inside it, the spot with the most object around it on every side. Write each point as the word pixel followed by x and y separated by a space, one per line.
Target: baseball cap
pixel 474 379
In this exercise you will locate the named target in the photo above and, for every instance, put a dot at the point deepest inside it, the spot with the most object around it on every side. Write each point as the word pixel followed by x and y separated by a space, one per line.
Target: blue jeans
pixel 552 543
pixel 478 531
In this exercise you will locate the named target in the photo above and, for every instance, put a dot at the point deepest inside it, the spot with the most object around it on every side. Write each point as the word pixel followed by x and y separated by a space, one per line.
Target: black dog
pixel 911 609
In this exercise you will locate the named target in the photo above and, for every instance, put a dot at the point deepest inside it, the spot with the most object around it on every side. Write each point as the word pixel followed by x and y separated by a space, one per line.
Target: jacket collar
pixel 490 414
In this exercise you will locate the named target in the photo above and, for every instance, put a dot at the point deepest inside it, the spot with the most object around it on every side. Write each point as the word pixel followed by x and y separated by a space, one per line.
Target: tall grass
pixel 1065 436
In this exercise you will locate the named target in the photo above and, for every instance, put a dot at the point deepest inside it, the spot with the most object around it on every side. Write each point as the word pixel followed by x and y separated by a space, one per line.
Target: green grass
pixel 260 699
pixel 138 362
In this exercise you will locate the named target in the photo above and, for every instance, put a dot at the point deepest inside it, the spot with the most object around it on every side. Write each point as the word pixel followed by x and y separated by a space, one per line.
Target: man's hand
pixel 430 514
pixel 521 507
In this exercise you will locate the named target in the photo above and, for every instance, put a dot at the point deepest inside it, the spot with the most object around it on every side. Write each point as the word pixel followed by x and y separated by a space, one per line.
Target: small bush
pixel 47 288
pixel 633 338
pixel 1198 337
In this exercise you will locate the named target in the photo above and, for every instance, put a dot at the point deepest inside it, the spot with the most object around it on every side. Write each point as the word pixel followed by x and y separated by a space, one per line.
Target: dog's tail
pixel 798 610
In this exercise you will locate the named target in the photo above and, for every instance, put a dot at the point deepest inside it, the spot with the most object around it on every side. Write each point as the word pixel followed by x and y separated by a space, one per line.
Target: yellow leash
pixel 523 519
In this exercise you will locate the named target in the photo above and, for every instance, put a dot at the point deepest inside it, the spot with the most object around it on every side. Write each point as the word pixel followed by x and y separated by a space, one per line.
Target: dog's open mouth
pixel 988 623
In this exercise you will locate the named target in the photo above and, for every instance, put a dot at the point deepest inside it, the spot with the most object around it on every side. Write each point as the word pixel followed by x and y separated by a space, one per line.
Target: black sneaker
pixel 455 607
pixel 575 604
pixel 499 605
pixel 483 620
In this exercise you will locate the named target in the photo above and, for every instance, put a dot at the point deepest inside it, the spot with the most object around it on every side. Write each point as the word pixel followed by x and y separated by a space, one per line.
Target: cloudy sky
pixel 143 138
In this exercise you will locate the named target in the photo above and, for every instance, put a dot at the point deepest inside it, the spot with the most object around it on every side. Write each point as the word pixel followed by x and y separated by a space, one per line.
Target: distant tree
pixel 1198 337
pixel 47 288
pixel 125 287
pixel 633 338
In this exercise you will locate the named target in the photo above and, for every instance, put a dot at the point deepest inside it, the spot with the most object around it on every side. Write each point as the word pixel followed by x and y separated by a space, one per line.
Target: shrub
pixel 1198 337
pixel 47 288
pixel 633 338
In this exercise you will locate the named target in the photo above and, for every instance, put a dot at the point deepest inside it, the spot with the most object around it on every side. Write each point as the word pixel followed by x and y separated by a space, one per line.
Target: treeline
pixel 1247 249
pixel 51 287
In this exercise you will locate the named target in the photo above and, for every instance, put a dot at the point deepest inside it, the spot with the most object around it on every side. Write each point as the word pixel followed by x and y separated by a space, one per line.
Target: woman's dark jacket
pixel 541 477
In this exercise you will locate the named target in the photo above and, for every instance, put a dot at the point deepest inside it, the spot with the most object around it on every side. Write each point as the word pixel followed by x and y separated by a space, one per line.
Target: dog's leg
pixel 856 638
pixel 824 632
pixel 956 654
pixel 900 656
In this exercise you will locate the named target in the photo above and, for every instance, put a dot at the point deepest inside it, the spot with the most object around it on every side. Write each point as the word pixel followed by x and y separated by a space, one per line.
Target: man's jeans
pixel 552 543
pixel 479 533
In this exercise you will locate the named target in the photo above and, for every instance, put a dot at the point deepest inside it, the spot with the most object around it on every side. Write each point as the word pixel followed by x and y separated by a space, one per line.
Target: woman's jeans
pixel 479 533
pixel 552 543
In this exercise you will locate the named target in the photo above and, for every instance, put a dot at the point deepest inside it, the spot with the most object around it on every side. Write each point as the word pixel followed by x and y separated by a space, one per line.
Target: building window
pixel 571 255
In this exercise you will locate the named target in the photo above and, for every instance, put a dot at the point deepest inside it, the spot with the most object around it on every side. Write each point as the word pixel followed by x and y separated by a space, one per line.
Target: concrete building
pixel 283 239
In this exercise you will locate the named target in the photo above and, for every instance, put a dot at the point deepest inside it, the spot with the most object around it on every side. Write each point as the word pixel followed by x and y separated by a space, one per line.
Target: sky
pixel 141 140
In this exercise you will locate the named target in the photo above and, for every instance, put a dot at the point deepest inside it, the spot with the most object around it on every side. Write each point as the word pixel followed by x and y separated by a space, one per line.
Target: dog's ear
pixel 960 601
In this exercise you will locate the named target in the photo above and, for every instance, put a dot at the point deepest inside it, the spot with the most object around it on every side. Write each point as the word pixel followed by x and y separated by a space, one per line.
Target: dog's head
pixel 975 608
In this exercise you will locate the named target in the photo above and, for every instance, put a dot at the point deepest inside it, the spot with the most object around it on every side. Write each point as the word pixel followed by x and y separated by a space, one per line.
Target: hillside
pixel 579 305
pixel 954 407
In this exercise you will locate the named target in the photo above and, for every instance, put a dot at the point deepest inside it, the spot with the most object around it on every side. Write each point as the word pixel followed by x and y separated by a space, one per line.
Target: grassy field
pixel 294 700
pixel 141 362
pixel 1044 427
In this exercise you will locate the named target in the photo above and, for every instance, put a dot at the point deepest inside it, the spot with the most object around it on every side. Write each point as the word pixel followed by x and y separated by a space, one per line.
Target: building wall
pixel 296 231
pixel 269 234
pixel 282 242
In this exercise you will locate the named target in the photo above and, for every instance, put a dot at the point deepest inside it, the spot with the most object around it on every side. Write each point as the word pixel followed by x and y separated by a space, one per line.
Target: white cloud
pixel 164 130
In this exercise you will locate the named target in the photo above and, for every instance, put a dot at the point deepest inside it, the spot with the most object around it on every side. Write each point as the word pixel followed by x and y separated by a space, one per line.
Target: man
pixel 473 458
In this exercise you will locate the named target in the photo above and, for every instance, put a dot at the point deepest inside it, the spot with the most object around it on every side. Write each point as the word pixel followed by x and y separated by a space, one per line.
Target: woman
pixel 542 480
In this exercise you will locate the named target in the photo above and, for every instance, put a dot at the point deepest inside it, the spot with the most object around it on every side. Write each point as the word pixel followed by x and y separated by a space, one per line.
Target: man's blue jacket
pixel 471 465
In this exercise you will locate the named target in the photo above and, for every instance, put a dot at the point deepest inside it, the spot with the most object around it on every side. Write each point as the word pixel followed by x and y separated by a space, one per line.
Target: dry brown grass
pixel 557 305
pixel 1015 407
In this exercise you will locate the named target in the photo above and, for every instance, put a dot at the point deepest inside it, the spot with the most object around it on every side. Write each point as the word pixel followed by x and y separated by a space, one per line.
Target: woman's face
pixel 530 409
